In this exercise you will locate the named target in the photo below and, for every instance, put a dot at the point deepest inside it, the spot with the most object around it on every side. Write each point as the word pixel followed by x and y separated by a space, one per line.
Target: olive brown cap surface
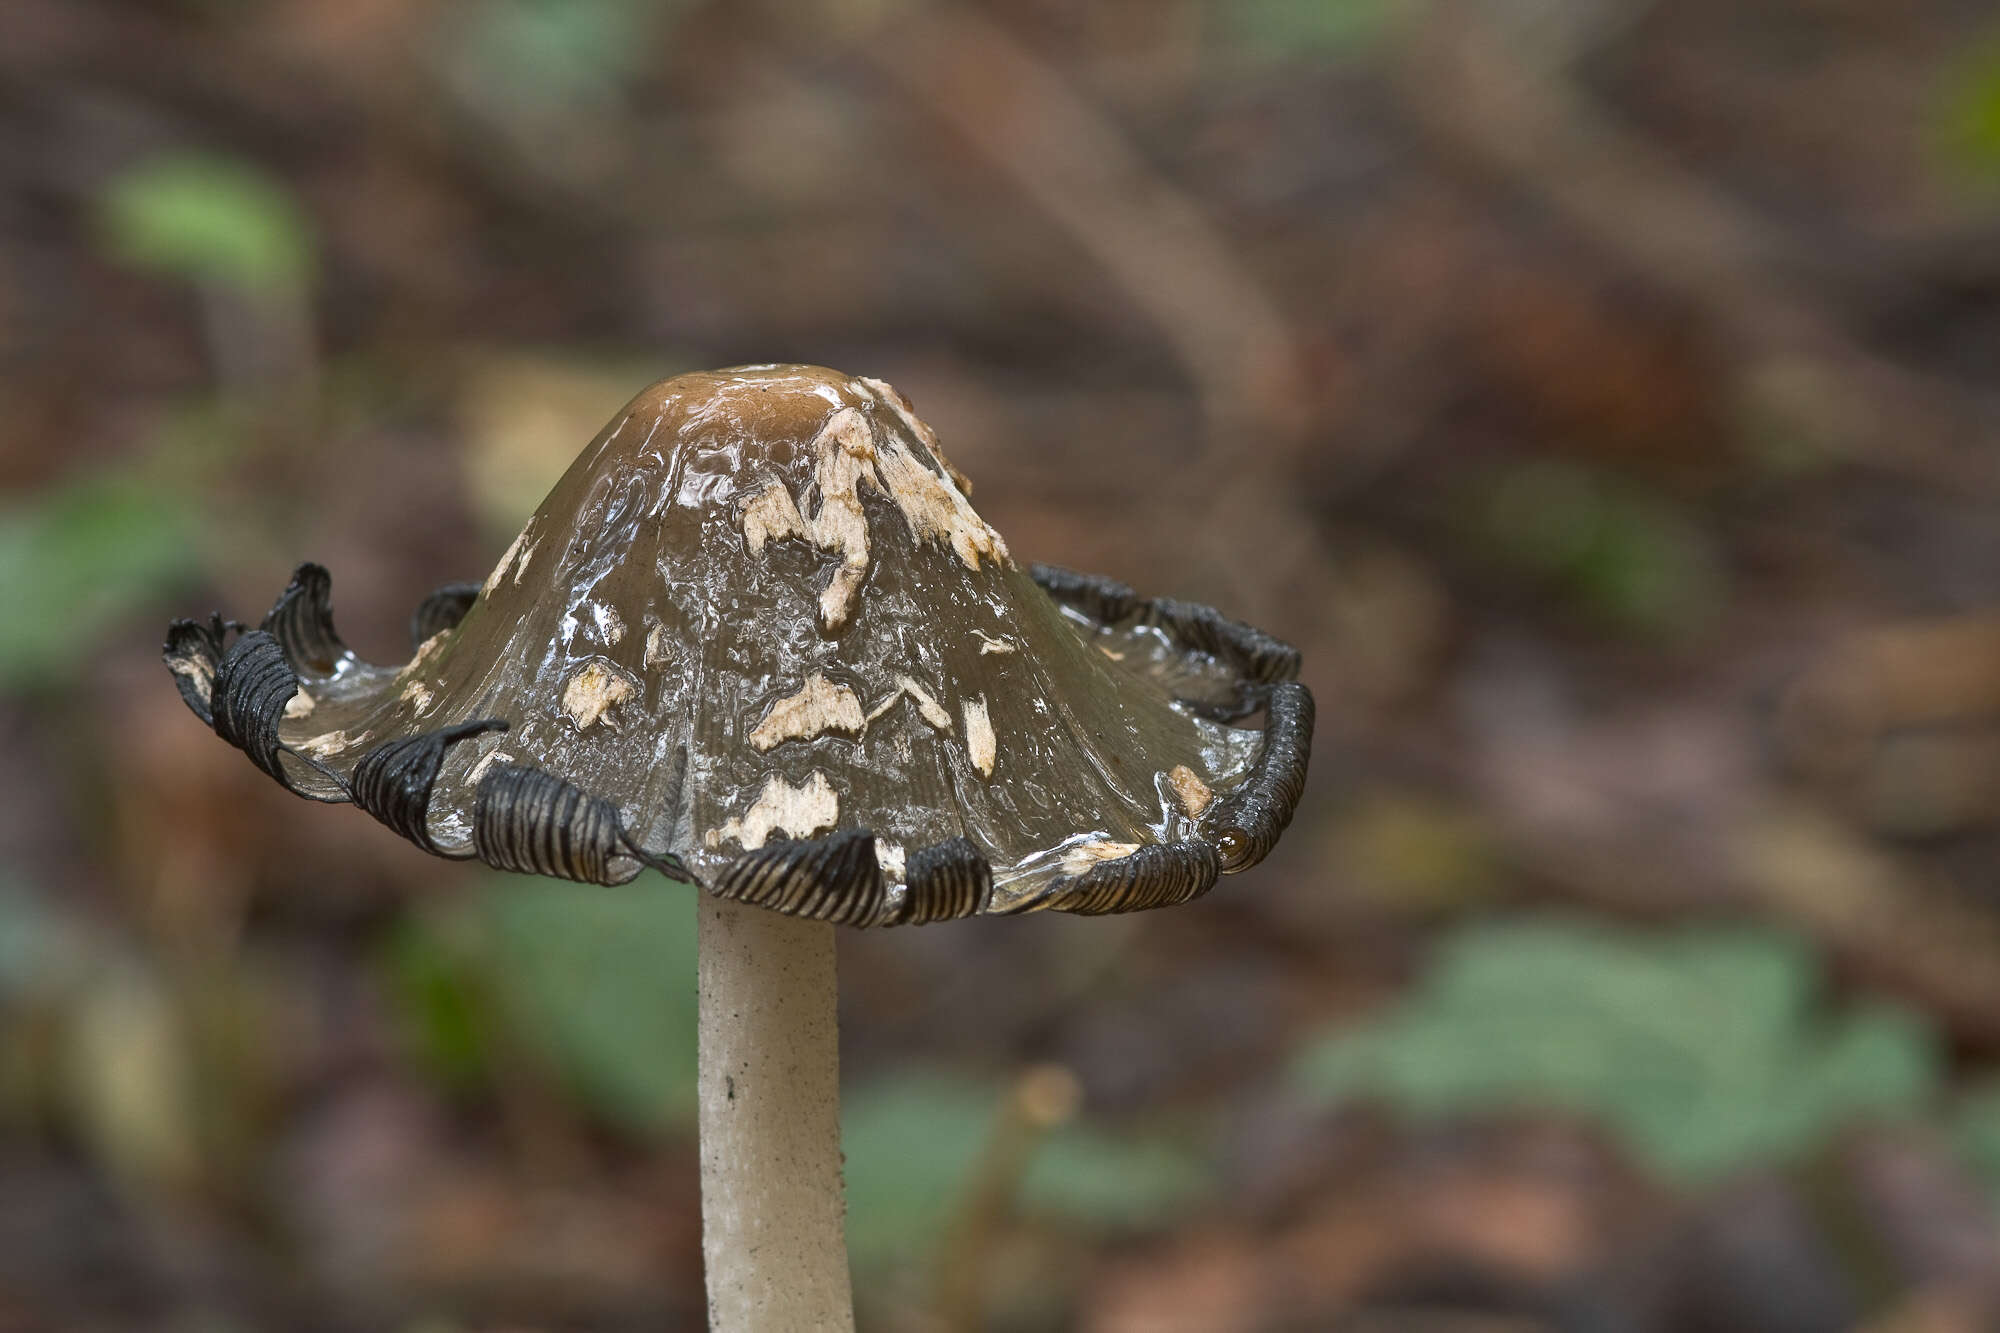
pixel 757 637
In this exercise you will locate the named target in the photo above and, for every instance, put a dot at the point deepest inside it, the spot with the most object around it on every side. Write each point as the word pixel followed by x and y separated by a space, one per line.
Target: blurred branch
pixel 1150 237
pixel 1896 925
pixel 1785 860
pixel 1157 245
pixel 1936 1308
pixel 1496 106
pixel 1041 1100
pixel 1901 722
pixel 1799 867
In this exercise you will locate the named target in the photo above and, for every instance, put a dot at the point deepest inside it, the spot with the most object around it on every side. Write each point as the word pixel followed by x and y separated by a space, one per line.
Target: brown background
pixel 1600 392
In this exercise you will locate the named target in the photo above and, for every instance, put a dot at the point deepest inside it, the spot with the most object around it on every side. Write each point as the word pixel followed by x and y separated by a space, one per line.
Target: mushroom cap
pixel 757 637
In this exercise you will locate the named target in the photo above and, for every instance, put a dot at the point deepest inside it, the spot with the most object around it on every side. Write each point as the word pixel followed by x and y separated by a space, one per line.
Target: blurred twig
pixel 1496 106
pixel 1157 244
pixel 1902 723
pixel 1040 1100
pixel 1936 1309
pixel 1881 917
pixel 1150 237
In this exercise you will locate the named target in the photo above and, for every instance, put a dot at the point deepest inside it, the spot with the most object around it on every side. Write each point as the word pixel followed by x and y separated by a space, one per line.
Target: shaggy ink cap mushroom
pixel 758 638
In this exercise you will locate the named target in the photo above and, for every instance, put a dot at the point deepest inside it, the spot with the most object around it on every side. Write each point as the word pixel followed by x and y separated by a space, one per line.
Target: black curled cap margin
pixel 440 611
pixel 527 820
pixel 533 822
pixel 836 877
pixel 238 682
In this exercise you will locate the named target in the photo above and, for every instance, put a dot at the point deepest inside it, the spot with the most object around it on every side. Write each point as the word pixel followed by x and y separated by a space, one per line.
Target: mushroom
pixel 757 638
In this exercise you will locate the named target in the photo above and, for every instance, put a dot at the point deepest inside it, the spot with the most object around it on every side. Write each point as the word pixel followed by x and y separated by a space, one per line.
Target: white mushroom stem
pixel 772 1213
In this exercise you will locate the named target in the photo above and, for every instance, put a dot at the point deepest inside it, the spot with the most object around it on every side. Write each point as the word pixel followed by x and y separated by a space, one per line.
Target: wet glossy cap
pixel 757 637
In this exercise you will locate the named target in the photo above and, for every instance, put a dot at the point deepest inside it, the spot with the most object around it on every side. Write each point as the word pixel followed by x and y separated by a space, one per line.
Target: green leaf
pixel 1113 1182
pixel 1702 1047
pixel 1971 111
pixel 1976 1130
pixel 553 54
pixel 208 219
pixel 438 975
pixel 911 1142
pixel 42 947
pixel 1322 29
pixel 601 983
pixel 76 561
pixel 1620 553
